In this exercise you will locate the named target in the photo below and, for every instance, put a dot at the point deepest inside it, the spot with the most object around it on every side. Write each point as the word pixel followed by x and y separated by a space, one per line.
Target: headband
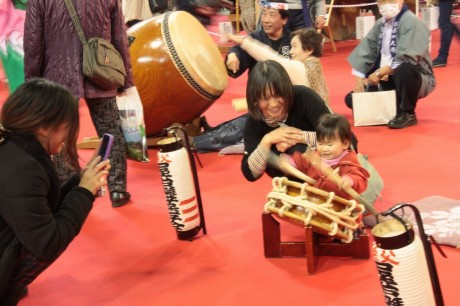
pixel 274 5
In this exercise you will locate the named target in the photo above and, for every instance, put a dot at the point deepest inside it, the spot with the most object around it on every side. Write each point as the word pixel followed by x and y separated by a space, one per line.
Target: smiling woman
pixel 274 127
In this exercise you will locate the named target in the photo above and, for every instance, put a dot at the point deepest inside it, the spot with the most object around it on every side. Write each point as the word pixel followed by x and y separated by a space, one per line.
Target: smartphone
pixel 104 153
pixel 106 146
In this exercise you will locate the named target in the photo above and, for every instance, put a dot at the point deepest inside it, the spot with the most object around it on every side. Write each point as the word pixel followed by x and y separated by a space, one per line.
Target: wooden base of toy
pixel 315 245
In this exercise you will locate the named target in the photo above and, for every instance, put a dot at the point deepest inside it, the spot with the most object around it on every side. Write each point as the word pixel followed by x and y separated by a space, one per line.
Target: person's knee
pixel 404 69
pixel 349 100
pixel 406 74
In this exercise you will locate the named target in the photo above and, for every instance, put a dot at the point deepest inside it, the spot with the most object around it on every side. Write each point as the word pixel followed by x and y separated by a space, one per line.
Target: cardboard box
pixel 363 25
pixel 429 16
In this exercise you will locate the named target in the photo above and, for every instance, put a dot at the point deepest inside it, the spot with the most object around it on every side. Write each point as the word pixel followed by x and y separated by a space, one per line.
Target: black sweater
pixel 304 115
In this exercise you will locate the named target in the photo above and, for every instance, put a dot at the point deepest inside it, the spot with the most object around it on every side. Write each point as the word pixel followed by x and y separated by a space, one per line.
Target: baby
pixel 333 138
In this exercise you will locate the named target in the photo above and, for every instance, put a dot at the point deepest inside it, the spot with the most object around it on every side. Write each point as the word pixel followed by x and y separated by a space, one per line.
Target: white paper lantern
pixel 176 176
pixel 401 264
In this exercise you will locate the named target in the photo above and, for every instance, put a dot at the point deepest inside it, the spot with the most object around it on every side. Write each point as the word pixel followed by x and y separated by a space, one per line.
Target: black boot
pixel 204 124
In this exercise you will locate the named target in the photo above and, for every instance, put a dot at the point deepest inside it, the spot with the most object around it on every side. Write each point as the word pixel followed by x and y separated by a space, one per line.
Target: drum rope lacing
pixel 345 218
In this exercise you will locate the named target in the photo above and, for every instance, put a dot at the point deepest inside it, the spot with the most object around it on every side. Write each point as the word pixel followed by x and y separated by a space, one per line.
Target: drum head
pixel 195 54
pixel 177 68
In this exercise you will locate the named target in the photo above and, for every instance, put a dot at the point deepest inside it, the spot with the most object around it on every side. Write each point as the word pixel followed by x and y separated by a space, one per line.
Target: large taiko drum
pixel 177 68
pixel 304 205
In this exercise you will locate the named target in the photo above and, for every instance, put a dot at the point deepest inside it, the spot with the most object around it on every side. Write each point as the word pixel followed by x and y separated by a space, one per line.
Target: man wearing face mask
pixel 394 54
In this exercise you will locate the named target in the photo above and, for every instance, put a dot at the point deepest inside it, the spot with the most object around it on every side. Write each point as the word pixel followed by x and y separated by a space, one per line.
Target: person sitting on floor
pixel 273 34
pixel 333 139
pixel 282 118
pixel 305 67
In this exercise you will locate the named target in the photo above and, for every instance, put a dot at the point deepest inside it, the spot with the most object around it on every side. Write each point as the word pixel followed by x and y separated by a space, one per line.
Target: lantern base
pixel 188 235
pixel 315 245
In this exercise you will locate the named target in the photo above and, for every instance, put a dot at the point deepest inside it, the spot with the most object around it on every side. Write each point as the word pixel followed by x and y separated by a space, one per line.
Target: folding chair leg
pixel 331 38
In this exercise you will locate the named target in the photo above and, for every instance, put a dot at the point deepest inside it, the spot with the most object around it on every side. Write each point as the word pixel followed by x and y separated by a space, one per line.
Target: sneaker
pixel 437 63
pixel 402 120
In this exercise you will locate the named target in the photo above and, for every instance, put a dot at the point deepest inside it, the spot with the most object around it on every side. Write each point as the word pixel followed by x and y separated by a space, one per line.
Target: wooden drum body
pixel 177 68
pixel 304 205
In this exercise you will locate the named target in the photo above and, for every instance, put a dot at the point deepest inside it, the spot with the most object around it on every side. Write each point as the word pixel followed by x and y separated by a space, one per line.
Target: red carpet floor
pixel 130 255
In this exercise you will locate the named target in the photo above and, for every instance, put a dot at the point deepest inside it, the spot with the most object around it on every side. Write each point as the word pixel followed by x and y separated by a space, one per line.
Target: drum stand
pixel 315 245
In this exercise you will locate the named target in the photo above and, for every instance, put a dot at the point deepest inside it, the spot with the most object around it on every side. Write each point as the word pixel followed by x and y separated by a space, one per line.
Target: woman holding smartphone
pixel 39 217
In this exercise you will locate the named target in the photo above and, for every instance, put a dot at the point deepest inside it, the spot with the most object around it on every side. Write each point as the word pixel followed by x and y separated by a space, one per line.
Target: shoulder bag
pixel 102 64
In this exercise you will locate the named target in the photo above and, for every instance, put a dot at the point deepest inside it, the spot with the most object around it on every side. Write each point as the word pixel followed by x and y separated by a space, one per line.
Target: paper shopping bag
pixel 373 108
pixel 131 113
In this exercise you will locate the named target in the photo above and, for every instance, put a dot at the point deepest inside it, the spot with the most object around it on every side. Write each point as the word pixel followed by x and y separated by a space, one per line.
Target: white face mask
pixel 389 10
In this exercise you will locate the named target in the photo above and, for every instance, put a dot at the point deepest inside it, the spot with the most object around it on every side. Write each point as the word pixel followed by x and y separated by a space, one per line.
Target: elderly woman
pixel 304 67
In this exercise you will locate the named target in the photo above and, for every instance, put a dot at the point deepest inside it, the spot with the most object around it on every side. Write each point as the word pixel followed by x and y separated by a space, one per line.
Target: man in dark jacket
pixel 52 50
pixel 273 33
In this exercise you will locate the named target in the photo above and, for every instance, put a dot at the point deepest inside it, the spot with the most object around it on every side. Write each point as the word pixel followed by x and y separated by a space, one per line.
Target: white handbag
pixel 374 107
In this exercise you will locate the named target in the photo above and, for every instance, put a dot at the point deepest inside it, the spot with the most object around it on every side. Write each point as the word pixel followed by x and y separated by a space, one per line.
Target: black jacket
pixel 247 62
pixel 35 212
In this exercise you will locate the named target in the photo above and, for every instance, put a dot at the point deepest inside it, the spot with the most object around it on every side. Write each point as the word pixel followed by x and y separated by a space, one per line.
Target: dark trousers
pixel 225 134
pixel 406 80
pixel 446 27
pixel 106 119
pixel 296 20
pixel 28 268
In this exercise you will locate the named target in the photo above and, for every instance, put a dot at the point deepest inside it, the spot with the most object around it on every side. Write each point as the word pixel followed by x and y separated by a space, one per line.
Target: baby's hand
pixel 346 182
